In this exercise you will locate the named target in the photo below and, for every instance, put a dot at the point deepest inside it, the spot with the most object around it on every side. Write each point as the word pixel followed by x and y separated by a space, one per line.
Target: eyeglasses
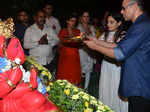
pixel 129 4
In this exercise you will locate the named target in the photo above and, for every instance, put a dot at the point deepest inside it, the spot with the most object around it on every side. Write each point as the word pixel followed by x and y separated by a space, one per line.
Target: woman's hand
pixel 91 42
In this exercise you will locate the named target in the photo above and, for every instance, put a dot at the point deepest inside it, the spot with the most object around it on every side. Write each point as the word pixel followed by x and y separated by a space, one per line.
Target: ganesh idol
pixel 17 95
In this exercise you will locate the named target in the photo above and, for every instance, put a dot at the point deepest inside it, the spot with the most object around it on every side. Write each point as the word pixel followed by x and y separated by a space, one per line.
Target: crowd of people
pixel 119 53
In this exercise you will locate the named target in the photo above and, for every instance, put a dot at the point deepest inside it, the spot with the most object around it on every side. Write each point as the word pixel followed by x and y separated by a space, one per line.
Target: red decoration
pixel 22 98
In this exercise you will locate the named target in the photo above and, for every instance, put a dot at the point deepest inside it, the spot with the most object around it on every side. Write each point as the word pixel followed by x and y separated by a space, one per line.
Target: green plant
pixel 73 99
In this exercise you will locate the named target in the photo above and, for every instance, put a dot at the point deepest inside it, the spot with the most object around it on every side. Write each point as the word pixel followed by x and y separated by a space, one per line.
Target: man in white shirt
pixel 50 20
pixel 40 39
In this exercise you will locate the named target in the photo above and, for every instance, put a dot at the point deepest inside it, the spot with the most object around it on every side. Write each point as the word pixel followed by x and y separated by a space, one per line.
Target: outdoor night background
pixel 61 7
pixel 9 8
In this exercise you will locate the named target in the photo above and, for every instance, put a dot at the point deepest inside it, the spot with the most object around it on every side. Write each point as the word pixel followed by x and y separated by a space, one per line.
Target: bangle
pixel 30 86
pixel 11 84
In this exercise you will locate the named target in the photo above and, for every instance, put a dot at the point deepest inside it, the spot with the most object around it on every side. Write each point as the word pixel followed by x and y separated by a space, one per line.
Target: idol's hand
pixel 33 77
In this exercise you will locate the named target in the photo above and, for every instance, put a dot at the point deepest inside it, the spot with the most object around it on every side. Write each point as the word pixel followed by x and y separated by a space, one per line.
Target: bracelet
pixel 11 84
pixel 30 86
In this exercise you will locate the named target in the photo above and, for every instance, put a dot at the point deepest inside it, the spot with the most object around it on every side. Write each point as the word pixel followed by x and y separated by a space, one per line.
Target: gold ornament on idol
pixel 7 28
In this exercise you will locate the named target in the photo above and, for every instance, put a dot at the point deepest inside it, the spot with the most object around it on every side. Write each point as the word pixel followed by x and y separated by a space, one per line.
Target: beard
pixel 42 22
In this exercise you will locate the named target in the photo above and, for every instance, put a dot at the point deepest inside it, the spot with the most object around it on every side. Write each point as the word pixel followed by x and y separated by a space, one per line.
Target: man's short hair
pixel 48 4
pixel 140 3
pixel 22 10
pixel 37 12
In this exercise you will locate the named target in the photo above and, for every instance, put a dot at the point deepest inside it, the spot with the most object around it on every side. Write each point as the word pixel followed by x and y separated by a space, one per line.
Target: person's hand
pixel 92 38
pixel 43 39
pixel 98 42
pixel 91 43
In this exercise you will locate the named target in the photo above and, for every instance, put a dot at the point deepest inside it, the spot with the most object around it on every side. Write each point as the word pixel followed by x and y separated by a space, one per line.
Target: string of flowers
pixel 67 96
pixel 45 74
pixel 73 99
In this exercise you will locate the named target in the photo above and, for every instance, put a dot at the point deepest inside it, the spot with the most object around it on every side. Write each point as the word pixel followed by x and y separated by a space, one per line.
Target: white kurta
pixel 42 53
pixel 53 23
pixel 86 60
pixel 109 82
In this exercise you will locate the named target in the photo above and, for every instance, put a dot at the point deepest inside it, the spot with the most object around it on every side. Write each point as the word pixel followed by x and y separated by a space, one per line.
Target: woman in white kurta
pixel 86 59
pixel 110 69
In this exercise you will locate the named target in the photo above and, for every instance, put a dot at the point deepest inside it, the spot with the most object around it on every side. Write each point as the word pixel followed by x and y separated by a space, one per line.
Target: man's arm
pixel 125 48
pixel 106 44
pixel 52 38
pixel 58 27
pixel 108 51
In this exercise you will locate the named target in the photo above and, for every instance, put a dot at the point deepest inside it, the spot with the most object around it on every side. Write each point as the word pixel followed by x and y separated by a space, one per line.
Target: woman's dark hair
pixel 73 15
pixel 83 11
pixel 118 17
pixel 68 17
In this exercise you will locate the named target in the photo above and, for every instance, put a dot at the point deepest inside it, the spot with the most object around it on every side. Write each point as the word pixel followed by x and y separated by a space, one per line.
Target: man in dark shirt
pixel 134 51
pixel 21 25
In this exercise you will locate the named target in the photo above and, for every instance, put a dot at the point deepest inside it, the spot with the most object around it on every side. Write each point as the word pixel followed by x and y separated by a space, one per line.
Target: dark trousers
pixel 138 104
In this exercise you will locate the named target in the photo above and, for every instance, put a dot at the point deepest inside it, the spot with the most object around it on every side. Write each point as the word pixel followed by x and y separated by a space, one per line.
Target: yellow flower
pixel 68 86
pixel 39 67
pixel 74 97
pixel 49 75
pixel 88 110
pixel 66 81
pixel 81 93
pixel 93 102
pixel 48 88
pixel 86 104
pixel 62 84
pixel 67 91
pixel 50 83
pixel 93 98
pixel 75 89
pixel 105 106
pixel 59 81
pixel 98 111
pixel 100 107
pixel 45 73
pixel 100 103
pixel 85 96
